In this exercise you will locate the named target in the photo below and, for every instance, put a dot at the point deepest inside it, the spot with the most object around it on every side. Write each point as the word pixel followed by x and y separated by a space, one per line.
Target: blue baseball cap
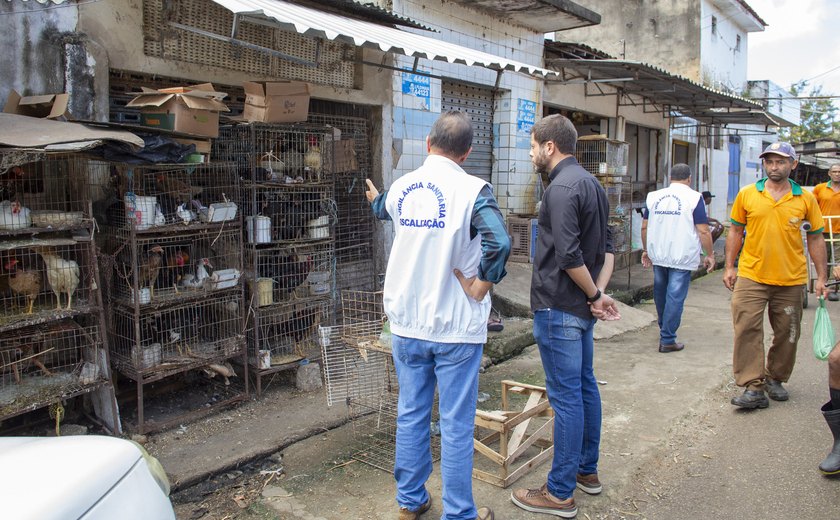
pixel 780 148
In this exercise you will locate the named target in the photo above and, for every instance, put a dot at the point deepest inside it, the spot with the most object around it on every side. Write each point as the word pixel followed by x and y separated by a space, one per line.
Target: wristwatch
pixel 595 297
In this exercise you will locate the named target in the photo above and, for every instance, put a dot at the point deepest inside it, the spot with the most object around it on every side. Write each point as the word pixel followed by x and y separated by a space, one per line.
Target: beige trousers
pixel 784 307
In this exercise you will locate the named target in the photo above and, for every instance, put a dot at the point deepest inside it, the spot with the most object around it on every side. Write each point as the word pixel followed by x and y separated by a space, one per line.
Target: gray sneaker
pixel 775 390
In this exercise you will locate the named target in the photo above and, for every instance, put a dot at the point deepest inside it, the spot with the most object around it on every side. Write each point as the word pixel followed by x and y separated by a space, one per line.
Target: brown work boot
pixel 541 501
pixel 589 483
pixel 405 514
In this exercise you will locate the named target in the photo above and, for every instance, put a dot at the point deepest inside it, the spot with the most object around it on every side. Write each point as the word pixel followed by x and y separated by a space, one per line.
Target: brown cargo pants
pixel 784 304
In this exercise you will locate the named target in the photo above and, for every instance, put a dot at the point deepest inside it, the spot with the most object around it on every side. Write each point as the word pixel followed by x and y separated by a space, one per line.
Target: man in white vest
pixel 450 247
pixel 674 230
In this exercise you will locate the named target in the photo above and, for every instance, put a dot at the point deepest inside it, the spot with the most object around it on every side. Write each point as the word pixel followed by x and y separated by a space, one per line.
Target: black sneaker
pixel 751 399
pixel 775 390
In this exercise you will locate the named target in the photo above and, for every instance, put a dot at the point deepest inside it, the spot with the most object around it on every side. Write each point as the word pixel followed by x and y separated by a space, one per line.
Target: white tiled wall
pixel 512 170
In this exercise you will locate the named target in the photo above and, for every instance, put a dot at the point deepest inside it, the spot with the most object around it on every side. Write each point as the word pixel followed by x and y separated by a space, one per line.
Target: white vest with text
pixel 672 239
pixel 431 208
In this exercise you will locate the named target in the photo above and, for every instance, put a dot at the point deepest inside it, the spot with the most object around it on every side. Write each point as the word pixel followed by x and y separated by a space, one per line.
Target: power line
pixel 815 77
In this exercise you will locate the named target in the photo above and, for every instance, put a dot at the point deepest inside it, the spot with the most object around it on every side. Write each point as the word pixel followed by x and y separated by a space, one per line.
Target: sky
pixel 801 41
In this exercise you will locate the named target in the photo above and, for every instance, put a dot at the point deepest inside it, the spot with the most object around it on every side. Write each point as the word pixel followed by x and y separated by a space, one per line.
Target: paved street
pixel 673 447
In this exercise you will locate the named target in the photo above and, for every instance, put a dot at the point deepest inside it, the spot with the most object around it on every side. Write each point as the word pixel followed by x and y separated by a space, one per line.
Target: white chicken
pixel 14 216
pixel 63 275
pixel 201 276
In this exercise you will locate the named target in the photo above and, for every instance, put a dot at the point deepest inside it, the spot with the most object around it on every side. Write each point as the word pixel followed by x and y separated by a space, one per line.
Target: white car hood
pixel 49 477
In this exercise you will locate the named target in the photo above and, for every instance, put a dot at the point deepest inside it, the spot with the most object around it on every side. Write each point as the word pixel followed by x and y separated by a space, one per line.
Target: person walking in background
pixel 674 231
pixel 828 197
pixel 771 273
pixel 450 247
pixel 715 227
pixel 572 266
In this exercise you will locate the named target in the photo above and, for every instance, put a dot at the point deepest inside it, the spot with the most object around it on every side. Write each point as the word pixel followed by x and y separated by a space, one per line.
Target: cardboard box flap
pixel 201 103
pixel 253 88
pixel 50 106
pixel 150 99
pixel 290 88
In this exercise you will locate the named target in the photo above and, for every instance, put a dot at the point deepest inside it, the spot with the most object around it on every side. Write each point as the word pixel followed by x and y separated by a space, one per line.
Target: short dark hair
pixel 557 129
pixel 680 172
pixel 452 133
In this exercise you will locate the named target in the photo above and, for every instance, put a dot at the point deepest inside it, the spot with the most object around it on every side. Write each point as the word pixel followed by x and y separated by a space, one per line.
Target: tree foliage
pixel 818 117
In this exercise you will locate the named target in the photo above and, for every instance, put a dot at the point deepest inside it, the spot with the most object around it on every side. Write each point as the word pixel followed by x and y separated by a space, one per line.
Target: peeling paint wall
pixel 33 42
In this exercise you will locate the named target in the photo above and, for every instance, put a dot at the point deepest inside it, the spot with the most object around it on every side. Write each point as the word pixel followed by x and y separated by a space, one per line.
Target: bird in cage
pixel 24 282
pixel 166 183
pixel 292 272
pixel 150 268
pixel 13 215
pixel 201 277
pixel 312 159
pixel 63 275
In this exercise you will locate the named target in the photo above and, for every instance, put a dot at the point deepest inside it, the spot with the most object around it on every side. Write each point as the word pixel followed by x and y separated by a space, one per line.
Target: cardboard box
pixel 276 101
pixel 344 155
pixel 190 110
pixel 49 106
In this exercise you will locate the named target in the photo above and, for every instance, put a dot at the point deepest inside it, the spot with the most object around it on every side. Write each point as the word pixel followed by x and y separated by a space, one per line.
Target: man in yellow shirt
pixel 771 273
pixel 828 197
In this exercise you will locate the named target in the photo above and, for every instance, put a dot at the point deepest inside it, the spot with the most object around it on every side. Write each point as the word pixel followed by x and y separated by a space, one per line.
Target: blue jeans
pixel 566 346
pixel 670 287
pixel 454 367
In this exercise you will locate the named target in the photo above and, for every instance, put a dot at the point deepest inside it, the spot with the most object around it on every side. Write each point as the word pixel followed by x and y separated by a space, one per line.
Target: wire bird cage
pixel 40 365
pixel 359 371
pixel 287 335
pixel 277 153
pixel 43 192
pixel 45 278
pixel 291 273
pixel 291 213
pixel 143 199
pixel 603 157
pixel 170 268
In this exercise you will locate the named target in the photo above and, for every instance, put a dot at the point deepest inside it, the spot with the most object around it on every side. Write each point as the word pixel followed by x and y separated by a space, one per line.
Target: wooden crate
pixel 514 433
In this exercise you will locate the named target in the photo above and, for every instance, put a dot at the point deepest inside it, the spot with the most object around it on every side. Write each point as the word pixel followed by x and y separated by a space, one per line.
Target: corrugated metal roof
pixel 543 16
pixel 319 24
pixel 367 11
pixel 663 88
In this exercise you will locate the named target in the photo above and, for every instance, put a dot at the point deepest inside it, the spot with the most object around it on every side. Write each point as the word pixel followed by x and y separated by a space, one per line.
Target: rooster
pixel 177 266
pixel 312 160
pixel 63 275
pixel 292 271
pixel 26 283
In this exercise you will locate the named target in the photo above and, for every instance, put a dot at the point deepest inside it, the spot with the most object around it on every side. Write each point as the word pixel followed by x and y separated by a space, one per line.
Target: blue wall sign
pixel 526 116
pixel 417 86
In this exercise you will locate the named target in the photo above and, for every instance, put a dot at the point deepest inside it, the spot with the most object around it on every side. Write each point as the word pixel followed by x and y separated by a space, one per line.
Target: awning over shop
pixel 320 24
pixel 663 91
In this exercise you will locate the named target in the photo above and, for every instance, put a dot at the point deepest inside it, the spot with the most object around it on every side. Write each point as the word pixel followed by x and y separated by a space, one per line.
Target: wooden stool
pixel 509 428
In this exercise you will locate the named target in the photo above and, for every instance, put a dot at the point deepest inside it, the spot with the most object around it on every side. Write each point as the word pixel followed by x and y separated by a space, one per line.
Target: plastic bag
pixel 823 332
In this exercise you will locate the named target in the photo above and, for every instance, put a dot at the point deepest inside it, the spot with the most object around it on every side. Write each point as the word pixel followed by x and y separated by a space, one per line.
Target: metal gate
pixel 478 103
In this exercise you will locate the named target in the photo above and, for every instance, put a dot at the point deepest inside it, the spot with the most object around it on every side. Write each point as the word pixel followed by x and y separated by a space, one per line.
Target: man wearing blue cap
pixel 771 273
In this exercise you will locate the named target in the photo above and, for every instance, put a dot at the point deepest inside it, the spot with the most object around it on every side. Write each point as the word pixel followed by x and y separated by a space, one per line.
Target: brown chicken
pixel 23 282
pixel 150 268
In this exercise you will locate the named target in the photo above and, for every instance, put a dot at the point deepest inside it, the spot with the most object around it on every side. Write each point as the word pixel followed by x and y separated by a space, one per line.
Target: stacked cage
pixel 51 314
pixel 606 159
pixel 172 248
pixel 355 268
pixel 359 371
pixel 290 217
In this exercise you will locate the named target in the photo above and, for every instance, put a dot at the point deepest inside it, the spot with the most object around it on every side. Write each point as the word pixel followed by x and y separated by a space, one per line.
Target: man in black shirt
pixel 572 266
